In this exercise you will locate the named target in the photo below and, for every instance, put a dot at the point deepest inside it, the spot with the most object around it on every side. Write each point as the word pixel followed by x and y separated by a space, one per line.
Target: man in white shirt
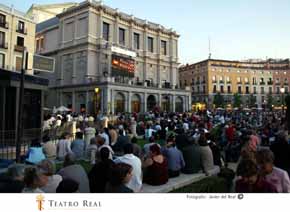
pixel 129 158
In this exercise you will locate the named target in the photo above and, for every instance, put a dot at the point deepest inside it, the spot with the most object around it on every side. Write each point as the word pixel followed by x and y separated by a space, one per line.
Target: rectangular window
pixel 214 89
pixel 255 90
pixel 239 89
pixel 20 27
pixel 2 20
pixel 150 44
pixel 106 31
pixel 163 47
pixel 20 41
pixel 262 90
pixel 222 88
pixel 2 60
pixel 270 90
pixel 247 90
pixel 122 36
pixel 18 64
pixel 229 89
pixel 42 43
pixel 277 90
pixel 2 38
pixel 136 41
pixel 38 45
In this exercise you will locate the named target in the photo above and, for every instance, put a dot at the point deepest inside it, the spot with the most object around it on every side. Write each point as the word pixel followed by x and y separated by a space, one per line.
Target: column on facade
pixel 145 49
pixel 160 100
pixel 112 93
pixel 106 101
pixel 74 71
pixel 173 102
pixel 73 101
pixel 100 25
pixel 131 37
pixel 116 31
pixel 129 102
pixel 145 102
pixel 87 101
pixel 185 104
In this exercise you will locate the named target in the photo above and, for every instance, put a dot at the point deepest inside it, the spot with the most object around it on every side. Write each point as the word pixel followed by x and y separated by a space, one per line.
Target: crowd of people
pixel 131 150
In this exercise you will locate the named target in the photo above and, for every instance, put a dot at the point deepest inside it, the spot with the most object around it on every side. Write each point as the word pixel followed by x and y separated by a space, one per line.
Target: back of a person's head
pixel 69 159
pixel 79 135
pixel 155 149
pixel 134 140
pixel 121 132
pixel 104 153
pixel 35 143
pixel 118 173
pixel 67 186
pixel 31 176
pixel 128 149
pixel 47 167
pixel 16 171
pixel 100 140
pixel 265 156
pixel 247 168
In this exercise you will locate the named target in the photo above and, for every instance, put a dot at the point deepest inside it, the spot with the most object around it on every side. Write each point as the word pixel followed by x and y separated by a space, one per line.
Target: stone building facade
pixel 109 61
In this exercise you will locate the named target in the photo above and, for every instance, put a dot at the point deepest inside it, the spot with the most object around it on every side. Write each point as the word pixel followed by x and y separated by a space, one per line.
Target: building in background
pixel 16 33
pixel 257 83
pixel 110 62
pixel 43 12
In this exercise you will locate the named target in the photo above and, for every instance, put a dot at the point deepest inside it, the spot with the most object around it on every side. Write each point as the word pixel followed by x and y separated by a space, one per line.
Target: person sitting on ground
pixel 192 157
pixel 67 186
pixel 33 180
pixel 12 182
pixel 64 146
pixel 75 172
pixel 250 181
pixel 174 158
pixel 149 132
pixel 276 176
pixel 53 180
pixel 206 155
pixel 101 143
pixel 78 146
pixel 146 147
pixel 35 152
pixel 156 168
pixel 49 148
pixel 137 151
pixel 121 174
pixel 121 142
pixel 100 173
pixel 129 158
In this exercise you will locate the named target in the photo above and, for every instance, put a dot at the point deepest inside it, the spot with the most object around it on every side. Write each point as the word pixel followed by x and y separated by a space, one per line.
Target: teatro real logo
pixel 40 201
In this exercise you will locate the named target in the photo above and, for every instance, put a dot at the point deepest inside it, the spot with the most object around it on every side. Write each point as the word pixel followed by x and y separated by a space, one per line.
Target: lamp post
pixel 282 90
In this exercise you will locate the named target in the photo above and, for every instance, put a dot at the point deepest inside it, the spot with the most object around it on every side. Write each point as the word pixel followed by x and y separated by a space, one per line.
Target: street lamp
pixel 282 90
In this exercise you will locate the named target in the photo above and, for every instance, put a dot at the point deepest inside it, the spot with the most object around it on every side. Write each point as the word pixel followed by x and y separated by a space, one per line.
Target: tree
pixel 218 100
pixel 252 101
pixel 237 100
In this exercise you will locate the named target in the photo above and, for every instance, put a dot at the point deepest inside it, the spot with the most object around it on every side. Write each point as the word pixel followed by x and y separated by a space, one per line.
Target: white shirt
pixel 63 148
pixel 52 184
pixel 136 181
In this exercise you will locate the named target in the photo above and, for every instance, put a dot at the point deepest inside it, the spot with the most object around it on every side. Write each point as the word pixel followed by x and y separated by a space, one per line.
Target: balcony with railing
pixel 4 45
pixel 229 81
pixel 21 30
pixel 270 82
pixel 262 83
pixel 221 82
pixel 4 25
pixel 18 48
pixel 286 83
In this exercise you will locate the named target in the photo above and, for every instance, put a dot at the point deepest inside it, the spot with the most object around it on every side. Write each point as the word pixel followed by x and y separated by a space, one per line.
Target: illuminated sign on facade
pixel 122 66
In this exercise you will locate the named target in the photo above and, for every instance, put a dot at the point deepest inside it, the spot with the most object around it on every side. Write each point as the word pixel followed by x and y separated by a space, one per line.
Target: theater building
pixel 109 62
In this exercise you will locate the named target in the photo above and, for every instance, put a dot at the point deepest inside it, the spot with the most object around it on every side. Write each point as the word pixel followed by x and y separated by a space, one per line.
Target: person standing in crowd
pixel 90 131
pixel 48 169
pixel 101 171
pixel 75 172
pixel 278 177
pixel 121 142
pixel 206 155
pixel 121 175
pixel 129 158
pixel 91 151
pixel 156 168
pixel 64 146
pixel 105 134
pixel 174 158
pixel 78 146
pixel 250 181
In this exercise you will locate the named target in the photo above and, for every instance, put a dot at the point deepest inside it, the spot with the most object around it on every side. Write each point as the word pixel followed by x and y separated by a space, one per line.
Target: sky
pixel 237 29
